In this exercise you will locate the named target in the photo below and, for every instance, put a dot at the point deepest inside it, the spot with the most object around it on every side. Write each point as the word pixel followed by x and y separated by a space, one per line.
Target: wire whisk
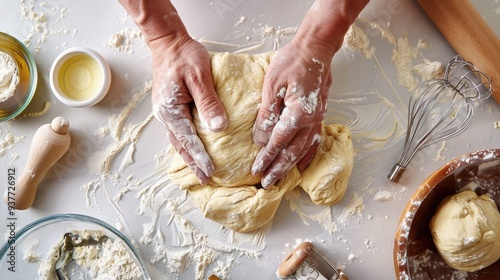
pixel 440 109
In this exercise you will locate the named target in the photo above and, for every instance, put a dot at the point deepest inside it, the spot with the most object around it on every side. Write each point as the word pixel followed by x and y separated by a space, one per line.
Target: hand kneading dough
pixel 233 197
pixel 466 231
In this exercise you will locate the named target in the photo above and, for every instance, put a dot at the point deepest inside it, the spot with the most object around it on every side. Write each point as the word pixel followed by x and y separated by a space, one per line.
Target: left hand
pixel 294 103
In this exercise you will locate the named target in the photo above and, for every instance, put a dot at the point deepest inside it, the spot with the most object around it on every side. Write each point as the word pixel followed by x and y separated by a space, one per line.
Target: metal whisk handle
pixel 396 173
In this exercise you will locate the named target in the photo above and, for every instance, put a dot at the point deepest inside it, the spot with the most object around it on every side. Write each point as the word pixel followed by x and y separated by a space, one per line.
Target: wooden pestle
pixel 50 143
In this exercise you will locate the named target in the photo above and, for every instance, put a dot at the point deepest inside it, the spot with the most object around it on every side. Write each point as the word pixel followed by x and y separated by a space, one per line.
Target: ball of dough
pixel 233 196
pixel 326 178
pixel 466 231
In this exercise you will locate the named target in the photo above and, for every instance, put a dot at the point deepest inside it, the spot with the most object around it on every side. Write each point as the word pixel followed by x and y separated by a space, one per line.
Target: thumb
pixel 209 106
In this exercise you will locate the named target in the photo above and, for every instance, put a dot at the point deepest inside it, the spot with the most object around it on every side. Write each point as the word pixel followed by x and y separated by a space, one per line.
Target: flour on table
pixel 9 141
pixel 123 41
pixel 403 53
pixel 429 70
pixel 356 39
pixel 123 135
pixel 383 195
pixel 46 21
pixel 45 109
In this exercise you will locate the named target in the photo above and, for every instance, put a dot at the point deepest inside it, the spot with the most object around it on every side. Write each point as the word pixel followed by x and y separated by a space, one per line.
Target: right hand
pixel 181 75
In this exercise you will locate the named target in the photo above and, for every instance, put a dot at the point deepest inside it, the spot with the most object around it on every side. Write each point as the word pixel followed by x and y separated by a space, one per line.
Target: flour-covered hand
pixel 181 76
pixel 294 103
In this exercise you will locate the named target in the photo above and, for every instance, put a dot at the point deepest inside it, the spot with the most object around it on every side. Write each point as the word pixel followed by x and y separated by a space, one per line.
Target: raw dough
pixel 233 196
pixel 466 231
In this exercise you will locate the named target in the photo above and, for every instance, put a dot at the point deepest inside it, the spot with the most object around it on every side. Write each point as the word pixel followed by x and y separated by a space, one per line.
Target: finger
pixel 185 132
pixel 177 119
pixel 311 153
pixel 208 104
pixel 283 132
pixel 287 158
pixel 269 112
pixel 190 162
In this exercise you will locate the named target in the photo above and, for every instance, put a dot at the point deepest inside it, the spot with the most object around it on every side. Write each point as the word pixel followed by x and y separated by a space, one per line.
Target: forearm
pixel 327 22
pixel 156 18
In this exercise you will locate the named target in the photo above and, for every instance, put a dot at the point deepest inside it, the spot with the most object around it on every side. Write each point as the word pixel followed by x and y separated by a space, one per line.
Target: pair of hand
pixel 288 125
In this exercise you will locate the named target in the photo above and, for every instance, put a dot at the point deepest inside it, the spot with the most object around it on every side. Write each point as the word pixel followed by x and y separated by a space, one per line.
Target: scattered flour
pixel 403 54
pixel 439 153
pixel 429 70
pixel 9 142
pixel 46 21
pixel 123 135
pixel 383 195
pixel 240 21
pixel 352 257
pixel 45 109
pixel 355 207
pixel 123 41
pixel 357 40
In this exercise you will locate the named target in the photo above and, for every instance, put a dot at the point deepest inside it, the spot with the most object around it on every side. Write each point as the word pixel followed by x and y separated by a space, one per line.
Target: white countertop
pixel 366 95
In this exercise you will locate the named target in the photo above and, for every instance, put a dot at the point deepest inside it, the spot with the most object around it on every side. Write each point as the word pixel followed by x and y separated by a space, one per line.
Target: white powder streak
pixel 310 103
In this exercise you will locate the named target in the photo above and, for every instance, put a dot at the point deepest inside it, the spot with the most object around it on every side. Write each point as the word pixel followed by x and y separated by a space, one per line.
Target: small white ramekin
pixel 101 90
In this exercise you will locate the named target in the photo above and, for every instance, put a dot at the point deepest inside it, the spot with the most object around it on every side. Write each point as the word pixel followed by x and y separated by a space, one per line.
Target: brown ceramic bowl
pixel 415 256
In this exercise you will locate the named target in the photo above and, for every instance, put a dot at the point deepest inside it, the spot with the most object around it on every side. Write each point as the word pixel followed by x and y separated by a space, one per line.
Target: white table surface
pixel 362 243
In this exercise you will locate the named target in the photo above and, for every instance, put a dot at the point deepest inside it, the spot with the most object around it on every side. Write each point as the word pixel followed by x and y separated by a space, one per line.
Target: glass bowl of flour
pixel 416 253
pixel 18 77
pixel 69 246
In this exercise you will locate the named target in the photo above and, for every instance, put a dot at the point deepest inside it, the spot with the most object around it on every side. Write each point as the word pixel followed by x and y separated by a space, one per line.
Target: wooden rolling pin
pixel 50 143
pixel 469 34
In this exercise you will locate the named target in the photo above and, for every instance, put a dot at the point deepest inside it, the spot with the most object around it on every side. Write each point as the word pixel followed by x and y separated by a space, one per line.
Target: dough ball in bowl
pixel 466 231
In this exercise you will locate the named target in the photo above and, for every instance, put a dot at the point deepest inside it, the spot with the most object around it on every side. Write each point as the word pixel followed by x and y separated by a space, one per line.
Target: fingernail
pixel 257 167
pixel 217 122
pixel 267 181
pixel 260 137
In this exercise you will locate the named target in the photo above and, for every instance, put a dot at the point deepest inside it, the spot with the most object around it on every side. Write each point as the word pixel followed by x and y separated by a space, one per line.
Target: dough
pixel 233 196
pixel 466 231
pixel 326 178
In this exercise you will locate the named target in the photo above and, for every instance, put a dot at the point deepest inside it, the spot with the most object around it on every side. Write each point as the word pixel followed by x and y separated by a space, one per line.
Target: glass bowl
pixel 41 247
pixel 28 77
pixel 415 255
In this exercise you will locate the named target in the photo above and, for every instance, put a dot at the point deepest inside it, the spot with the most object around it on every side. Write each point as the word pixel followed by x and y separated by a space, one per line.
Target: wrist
pixel 157 19
pixel 326 24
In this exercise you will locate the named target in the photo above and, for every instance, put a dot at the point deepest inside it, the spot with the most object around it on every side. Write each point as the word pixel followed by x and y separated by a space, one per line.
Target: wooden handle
pixel 50 143
pixel 469 34
pixel 293 260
